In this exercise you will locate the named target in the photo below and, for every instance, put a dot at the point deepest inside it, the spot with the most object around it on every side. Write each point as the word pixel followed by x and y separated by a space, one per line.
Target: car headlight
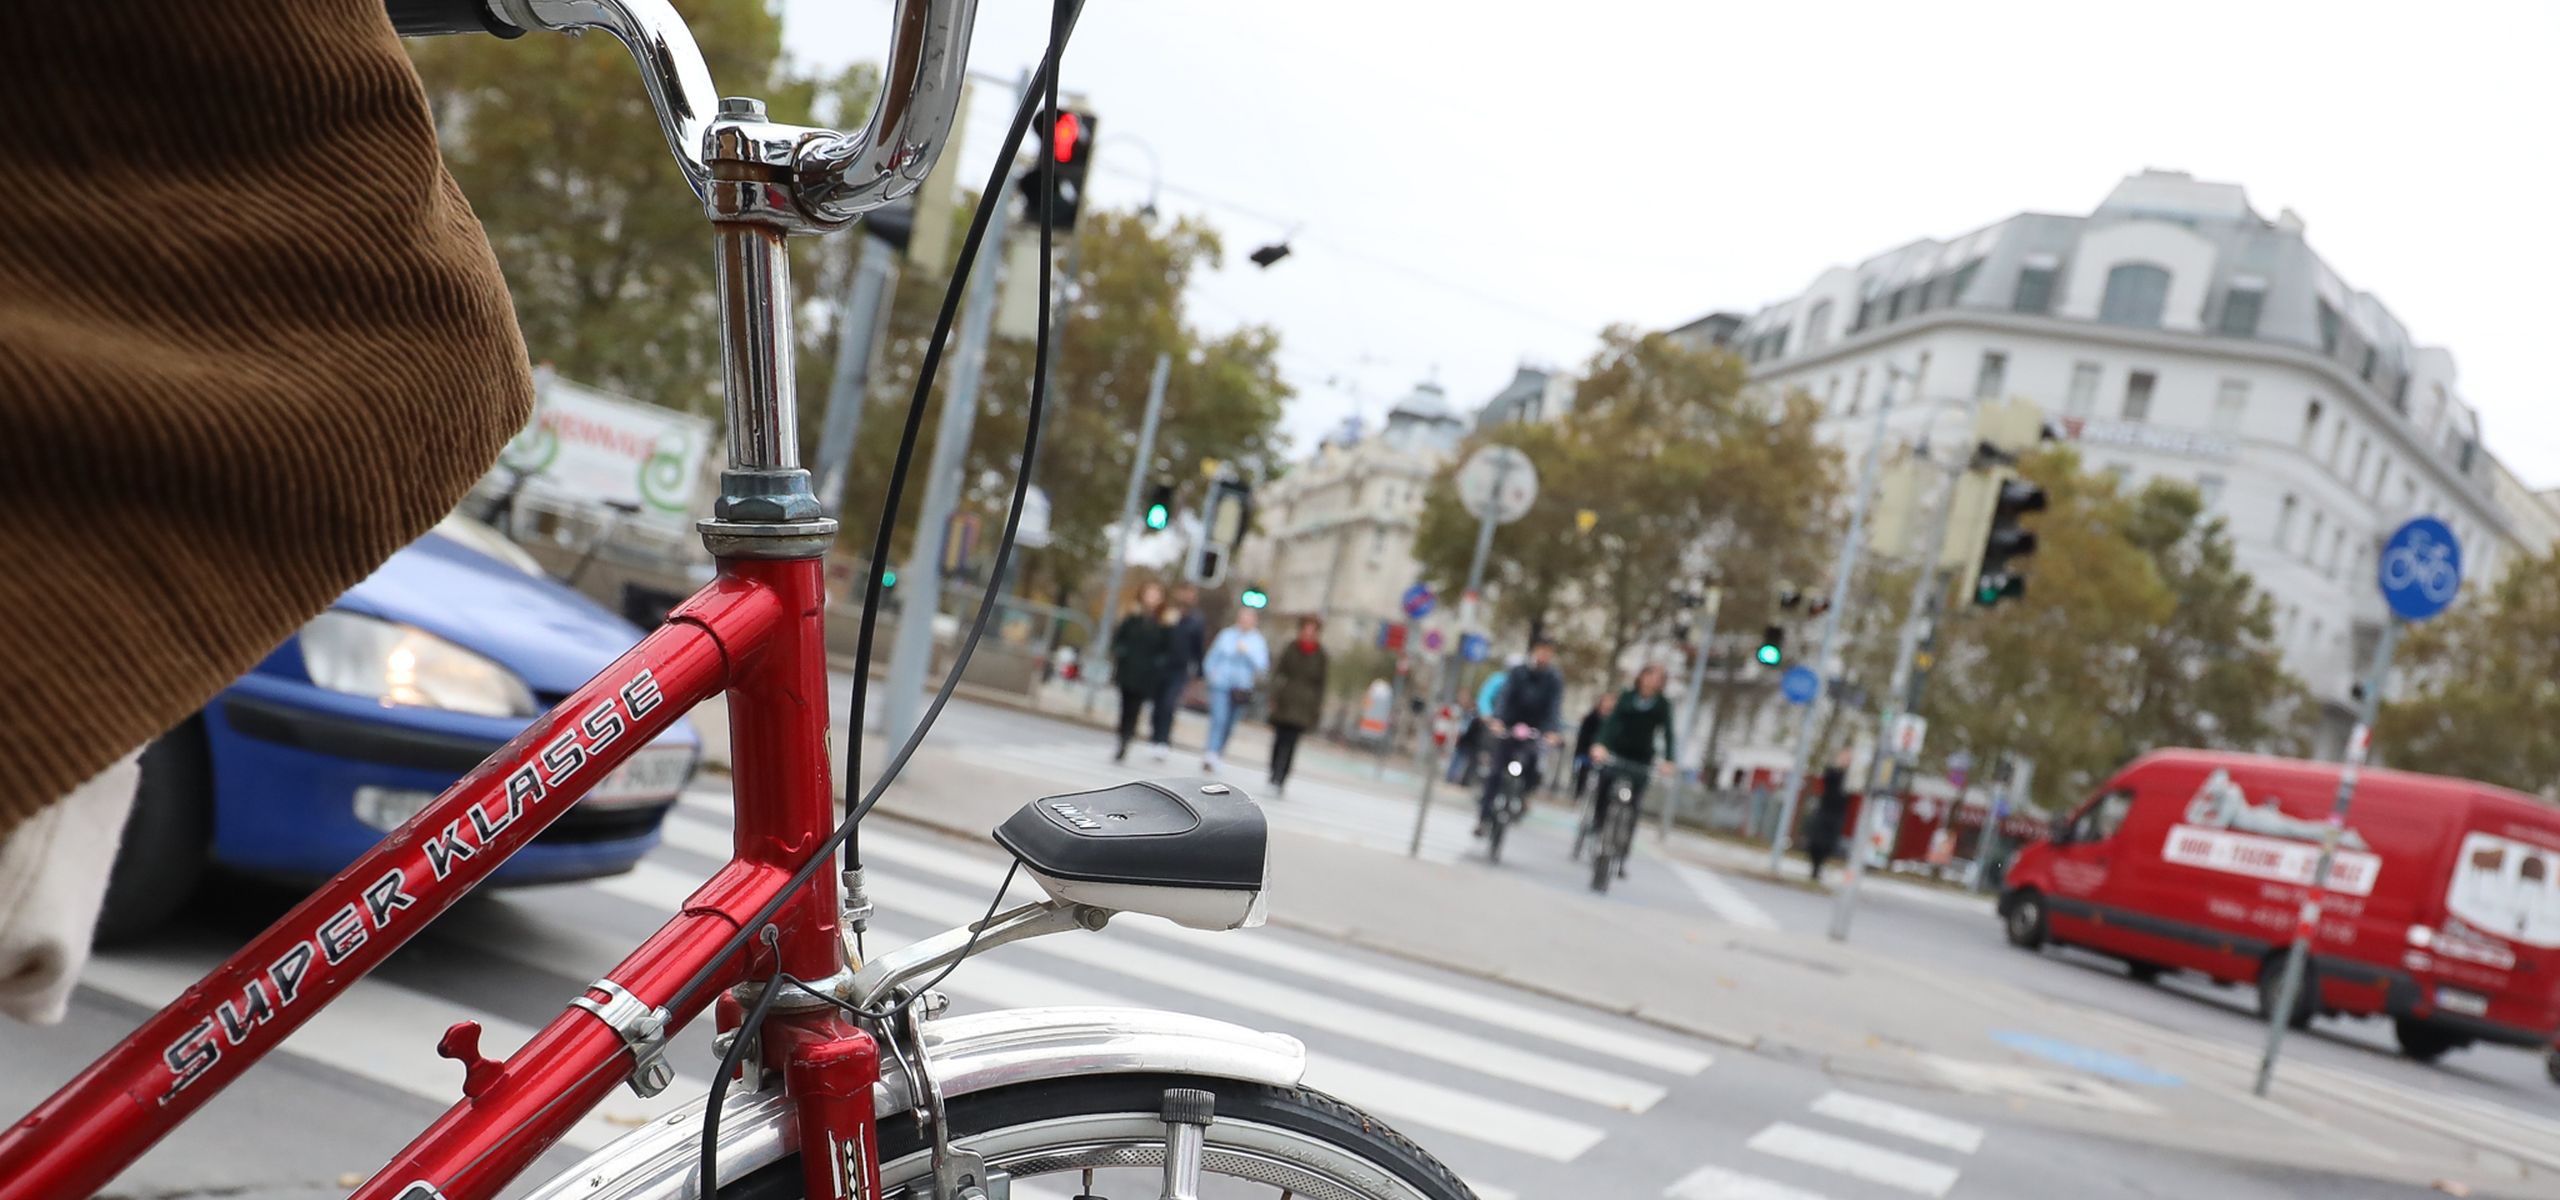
pixel 398 664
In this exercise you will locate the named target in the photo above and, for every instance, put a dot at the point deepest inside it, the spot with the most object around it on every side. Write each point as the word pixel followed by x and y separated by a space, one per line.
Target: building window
pixel 1988 382
pixel 1893 306
pixel 1817 325
pixel 2364 449
pixel 2035 290
pixel 2328 329
pixel 2229 403
pixel 1858 395
pixel 1962 280
pixel 2370 357
pixel 2310 423
pixel 2337 549
pixel 2083 399
pixel 2284 523
pixel 2240 311
pixel 2337 442
pixel 2380 473
pixel 2137 293
pixel 2311 545
pixel 1831 395
pixel 2209 488
pixel 2137 395
pixel 1866 316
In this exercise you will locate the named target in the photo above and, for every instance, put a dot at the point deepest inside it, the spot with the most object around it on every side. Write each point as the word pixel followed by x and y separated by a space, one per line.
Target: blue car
pixel 376 706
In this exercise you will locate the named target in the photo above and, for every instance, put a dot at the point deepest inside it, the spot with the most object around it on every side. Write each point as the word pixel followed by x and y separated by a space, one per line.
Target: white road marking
pixel 1712 1182
pixel 1896 1119
pixel 897 850
pixel 1854 1158
pixel 386 1033
pixel 1723 899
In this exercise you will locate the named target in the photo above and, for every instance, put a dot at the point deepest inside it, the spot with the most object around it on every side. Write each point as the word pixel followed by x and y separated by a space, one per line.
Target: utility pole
pixel 1847 566
pixel 1449 663
pixel 1127 528
pixel 1903 695
pixel 862 325
pixel 912 654
pixel 1705 635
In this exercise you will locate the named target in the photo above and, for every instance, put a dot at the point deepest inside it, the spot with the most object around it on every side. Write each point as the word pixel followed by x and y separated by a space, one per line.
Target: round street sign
pixel 1418 601
pixel 1799 684
pixel 2421 568
pixel 1432 641
pixel 1498 483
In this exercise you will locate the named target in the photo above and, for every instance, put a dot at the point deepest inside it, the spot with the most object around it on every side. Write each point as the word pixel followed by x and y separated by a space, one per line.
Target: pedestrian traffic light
pixel 1255 597
pixel 1160 506
pixel 1223 518
pixel 1998 578
pixel 1067 142
pixel 1773 646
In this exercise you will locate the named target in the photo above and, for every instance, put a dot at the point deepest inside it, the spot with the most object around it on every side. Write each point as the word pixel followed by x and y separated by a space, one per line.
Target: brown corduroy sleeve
pixel 252 341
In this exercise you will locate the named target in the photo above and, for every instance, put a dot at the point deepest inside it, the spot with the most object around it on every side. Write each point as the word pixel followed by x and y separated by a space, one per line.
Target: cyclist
pixel 1531 694
pixel 1626 738
pixel 225 406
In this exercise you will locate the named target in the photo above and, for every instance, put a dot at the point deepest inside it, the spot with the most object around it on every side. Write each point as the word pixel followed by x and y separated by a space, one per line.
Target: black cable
pixel 966 948
pixel 1062 25
pixel 729 1059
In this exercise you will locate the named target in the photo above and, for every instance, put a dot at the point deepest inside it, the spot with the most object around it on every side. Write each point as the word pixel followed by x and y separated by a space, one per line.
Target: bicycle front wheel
pixel 1104 1136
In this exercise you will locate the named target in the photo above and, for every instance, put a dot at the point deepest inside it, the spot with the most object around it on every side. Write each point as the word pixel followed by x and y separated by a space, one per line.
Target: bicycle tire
pixel 1056 1127
pixel 1493 832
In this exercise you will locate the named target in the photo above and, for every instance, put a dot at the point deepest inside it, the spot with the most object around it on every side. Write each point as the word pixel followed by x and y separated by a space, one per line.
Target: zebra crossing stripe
pixel 1712 1182
pixel 1854 1158
pixel 1900 1121
pixel 920 853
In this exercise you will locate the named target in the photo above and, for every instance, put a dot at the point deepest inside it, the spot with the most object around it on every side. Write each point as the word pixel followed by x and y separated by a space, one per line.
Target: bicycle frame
pixel 756 633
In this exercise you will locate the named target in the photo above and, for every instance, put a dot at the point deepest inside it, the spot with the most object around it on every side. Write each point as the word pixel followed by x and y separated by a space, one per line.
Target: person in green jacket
pixel 1626 741
pixel 1138 647
pixel 1297 696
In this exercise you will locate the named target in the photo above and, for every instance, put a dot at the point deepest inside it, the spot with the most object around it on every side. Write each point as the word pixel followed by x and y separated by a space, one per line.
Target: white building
pixel 2175 332
pixel 1336 534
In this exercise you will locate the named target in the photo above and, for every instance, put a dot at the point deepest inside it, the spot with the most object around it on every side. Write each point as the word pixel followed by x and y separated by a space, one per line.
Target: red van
pixel 2443 910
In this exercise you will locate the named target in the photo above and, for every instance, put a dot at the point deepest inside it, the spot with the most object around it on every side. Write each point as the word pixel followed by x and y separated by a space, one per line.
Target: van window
pixel 2506 888
pixel 2099 821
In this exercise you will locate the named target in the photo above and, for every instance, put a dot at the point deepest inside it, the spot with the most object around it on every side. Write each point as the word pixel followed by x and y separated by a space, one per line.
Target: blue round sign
pixel 1418 601
pixel 1799 684
pixel 2421 569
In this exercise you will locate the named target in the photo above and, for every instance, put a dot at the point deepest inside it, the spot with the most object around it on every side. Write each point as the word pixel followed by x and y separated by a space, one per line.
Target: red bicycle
pixel 839 1078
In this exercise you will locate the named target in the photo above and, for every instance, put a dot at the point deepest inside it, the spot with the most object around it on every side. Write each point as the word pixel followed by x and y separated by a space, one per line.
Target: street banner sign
pixel 1418 601
pixel 2421 568
pixel 597 449
pixel 1800 684
pixel 1908 732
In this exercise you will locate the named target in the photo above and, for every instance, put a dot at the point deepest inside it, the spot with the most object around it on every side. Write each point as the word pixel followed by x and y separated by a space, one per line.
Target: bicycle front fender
pixel 968 1054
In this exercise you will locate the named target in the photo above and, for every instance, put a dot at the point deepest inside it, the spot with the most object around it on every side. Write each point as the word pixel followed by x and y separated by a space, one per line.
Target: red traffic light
pixel 1066 136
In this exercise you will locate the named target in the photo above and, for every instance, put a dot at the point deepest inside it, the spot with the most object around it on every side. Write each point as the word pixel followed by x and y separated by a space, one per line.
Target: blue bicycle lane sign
pixel 2421 568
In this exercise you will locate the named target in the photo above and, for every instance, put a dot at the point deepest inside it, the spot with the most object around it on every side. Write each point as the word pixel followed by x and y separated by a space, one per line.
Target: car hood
pixel 551 636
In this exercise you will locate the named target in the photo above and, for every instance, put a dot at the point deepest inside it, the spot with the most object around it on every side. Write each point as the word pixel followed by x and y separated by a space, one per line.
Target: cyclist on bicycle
pixel 1626 740
pixel 1532 695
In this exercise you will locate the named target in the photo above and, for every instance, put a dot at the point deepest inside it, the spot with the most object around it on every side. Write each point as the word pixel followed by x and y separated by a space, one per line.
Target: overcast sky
pixel 1476 185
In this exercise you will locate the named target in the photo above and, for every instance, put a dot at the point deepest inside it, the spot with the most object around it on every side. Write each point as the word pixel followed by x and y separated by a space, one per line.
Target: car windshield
pixel 486 540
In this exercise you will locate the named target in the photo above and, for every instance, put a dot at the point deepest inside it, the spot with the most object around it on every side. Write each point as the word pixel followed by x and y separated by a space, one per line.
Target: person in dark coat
pixel 1137 661
pixel 1587 734
pixel 1830 817
pixel 1297 697
pixel 1186 645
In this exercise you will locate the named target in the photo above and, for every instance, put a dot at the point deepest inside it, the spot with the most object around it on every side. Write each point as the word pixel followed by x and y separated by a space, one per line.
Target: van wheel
pixel 168 837
pixel 2024 920
pixel 2271 978
pixel 2143 972
pixel 2425 1043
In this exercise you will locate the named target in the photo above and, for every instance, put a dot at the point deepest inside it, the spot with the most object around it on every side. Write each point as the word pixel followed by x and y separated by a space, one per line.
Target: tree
pixel 2137 632
pixel 1534 559
pixel 2483 700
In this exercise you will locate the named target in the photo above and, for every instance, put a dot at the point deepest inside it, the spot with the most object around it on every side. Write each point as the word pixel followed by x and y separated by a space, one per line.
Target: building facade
pixel 2173 333
pixel 1336 532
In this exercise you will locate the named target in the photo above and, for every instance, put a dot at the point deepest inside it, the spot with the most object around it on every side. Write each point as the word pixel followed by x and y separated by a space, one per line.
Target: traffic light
pixel 1998 577
pixel 1255 597
pixel 1159 511
pixel 1068 142
pixel 1267 255
pixel 1223 519
pixel 1773 646
pixel 888 577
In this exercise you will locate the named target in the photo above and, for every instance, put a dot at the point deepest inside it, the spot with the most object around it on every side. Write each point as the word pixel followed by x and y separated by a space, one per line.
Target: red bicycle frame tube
pixel 757 633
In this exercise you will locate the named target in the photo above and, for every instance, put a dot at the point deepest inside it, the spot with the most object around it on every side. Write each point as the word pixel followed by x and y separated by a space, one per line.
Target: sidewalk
pixel 1856 1014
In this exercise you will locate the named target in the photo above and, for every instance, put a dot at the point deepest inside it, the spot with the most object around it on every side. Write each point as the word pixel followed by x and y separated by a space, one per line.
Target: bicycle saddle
pixel 1193 851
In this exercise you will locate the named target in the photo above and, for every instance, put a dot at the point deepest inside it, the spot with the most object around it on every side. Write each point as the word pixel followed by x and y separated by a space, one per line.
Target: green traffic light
pixel 888 578
pixel 1769 656
pixel 1158 516
pixel 1255 598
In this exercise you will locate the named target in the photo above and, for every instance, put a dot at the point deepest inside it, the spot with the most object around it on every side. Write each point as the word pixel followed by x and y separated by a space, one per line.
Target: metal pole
pixel 912 654
pixel 1850 547
pixel 1449 662
pixel 861 328
pixel 2297 956
pixel 1095 662
pixel 1903 695
pixel 1706 635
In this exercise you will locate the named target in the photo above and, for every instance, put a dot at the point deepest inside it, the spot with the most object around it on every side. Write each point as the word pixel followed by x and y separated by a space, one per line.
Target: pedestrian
pixel 1830 815
pixel 1234 665
pixel 1297 697
pixel 1137 655
pixel 1584 736
pixel 1187 641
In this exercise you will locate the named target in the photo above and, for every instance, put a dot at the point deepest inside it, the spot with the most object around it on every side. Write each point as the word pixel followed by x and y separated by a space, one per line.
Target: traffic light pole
pixel 1094 657
pixel 1705 634
pixel 860 328
pixel 1850 546
pixel 1448 680
pixel 912 654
